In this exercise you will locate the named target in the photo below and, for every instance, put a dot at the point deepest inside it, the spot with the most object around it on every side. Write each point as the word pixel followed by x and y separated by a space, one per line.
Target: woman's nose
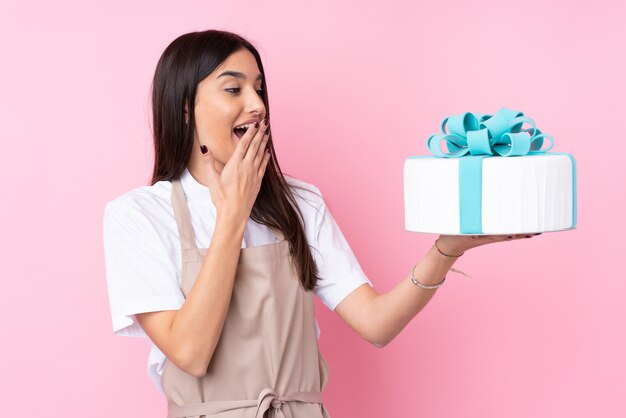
pixel 255 103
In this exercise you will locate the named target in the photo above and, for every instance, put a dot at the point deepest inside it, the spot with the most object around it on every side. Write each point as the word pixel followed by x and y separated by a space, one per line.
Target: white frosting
pixel 519 194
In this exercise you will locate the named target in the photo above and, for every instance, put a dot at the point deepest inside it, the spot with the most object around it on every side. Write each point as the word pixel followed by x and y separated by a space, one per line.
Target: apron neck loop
pixel 183 219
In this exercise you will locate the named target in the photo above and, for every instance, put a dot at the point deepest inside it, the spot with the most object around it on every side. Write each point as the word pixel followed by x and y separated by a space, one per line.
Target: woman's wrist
pixel 446 254
pixel 447 248
pixel 431 269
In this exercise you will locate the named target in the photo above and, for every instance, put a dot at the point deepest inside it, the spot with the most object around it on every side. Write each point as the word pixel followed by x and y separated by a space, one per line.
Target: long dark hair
pixel 185 62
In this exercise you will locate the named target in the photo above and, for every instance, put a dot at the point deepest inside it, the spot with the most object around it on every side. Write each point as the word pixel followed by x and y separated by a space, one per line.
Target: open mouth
pixel 239 132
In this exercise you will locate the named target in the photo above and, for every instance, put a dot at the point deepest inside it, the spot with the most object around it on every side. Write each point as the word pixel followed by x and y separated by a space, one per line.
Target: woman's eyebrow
pixel 237 75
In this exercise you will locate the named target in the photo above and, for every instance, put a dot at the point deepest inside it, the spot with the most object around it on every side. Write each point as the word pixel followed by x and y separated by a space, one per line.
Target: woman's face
pixel 228 97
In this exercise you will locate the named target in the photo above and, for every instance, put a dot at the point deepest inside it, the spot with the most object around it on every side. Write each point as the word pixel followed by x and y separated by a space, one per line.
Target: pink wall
pixel 355 87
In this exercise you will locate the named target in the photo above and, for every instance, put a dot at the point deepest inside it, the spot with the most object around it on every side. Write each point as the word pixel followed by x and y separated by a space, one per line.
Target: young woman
pixel 217 261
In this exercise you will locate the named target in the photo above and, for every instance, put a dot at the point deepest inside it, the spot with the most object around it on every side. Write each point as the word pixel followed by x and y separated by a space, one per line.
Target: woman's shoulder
pixel 305 192
pixel 148 200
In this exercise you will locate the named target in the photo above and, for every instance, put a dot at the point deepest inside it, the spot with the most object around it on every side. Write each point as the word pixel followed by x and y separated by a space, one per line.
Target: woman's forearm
pixel 198 324
pixel 390 312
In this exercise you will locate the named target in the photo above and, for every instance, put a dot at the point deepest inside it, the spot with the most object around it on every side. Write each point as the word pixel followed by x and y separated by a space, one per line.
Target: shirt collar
pixel 194 190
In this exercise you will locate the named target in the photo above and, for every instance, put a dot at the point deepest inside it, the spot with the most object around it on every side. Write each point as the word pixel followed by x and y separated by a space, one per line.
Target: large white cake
pixel 494 178
pixel 515 195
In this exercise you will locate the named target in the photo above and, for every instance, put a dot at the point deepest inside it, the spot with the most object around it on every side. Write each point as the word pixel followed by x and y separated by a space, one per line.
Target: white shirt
pixel 143 254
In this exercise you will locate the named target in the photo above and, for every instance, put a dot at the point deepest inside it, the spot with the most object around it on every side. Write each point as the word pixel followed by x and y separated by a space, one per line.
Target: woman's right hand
pixel 235 189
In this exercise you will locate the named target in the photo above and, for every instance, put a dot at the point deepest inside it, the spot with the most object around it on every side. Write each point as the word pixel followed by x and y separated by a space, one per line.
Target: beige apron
pixel 267 362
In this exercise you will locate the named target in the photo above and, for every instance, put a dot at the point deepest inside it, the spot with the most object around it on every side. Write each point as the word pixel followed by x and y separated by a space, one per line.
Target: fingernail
pixel 204 149
pixel 256 124
pixel 265 122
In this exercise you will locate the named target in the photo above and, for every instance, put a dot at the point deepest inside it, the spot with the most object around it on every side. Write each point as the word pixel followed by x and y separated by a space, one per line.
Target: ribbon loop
pixel 478 142
pixel 517 123
pixel 513 144
pixel 483 134
pixel 456 147
pixel 461 124
pixel 497 126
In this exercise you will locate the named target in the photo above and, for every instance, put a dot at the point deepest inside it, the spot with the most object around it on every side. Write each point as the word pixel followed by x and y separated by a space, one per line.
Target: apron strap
pixel 267 401
pixel 183 219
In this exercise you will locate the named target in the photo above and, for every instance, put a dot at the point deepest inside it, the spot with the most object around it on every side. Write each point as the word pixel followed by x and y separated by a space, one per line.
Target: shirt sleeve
pixel 141 276
pixel 339 270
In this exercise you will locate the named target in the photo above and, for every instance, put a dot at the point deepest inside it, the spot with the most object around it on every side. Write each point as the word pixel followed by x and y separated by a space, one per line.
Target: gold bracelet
pixel 425 286
pixel 447 255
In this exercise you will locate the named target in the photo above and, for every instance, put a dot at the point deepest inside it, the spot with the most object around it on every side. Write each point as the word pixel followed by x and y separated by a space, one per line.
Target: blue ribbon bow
pixel 481 134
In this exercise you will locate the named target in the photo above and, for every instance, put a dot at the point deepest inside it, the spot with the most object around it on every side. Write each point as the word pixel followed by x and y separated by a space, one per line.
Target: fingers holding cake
pixel 520 236
pixel 458 244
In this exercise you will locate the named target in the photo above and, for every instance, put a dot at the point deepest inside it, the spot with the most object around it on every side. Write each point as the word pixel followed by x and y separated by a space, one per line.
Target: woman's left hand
pixel 458 244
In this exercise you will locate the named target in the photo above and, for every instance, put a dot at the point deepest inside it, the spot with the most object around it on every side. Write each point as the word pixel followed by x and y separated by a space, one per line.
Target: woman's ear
pixel 186 115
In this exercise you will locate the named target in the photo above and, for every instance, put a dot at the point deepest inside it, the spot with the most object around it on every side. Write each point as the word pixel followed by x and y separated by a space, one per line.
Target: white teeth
pixel 248 125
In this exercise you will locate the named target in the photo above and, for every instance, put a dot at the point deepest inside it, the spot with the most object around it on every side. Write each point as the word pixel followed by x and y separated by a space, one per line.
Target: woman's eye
pixel 236 90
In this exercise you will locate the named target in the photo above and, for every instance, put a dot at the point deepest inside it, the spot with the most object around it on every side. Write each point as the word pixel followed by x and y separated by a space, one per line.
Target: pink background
pixel 355 87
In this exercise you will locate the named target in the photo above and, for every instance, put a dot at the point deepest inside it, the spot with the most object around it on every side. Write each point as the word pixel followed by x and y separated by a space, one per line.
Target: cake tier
pixel 484 195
